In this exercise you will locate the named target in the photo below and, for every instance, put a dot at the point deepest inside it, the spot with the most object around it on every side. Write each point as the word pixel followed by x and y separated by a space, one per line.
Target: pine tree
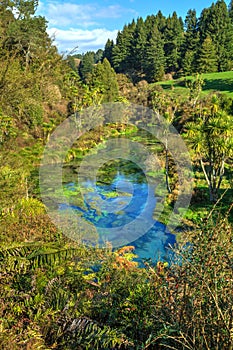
pixel 173 37
pixel 188 62
pixel 122 58
pixel 154 56
pixel 216 23
pixel 98 56
pixel 230 11
pixel 86 66
pixel 190 44
pixel 108 51
pixel 104 78
pixel 139 43
pixel 161 21
pixel 150 22
pixel 207 61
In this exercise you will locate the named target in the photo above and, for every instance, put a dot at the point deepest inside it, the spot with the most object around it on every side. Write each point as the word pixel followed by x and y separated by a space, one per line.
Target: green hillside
pixel 222 81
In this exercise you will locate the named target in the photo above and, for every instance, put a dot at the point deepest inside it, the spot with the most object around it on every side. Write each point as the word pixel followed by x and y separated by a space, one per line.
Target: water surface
pixel 118 197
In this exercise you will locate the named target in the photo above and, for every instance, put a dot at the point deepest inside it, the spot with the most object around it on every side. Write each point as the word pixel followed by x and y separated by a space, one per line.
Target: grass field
pixel 222 82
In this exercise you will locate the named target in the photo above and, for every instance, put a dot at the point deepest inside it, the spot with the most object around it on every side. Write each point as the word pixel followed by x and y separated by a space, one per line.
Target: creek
pixel 112 200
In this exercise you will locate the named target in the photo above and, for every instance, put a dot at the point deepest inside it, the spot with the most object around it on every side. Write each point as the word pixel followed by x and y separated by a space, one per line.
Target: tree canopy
pixel 180 46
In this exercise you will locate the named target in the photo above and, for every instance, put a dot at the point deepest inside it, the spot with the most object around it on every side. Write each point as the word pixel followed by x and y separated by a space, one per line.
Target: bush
pixel 59 295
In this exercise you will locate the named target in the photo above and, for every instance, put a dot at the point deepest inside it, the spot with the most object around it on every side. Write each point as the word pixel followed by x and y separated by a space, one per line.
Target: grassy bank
pixel 222 82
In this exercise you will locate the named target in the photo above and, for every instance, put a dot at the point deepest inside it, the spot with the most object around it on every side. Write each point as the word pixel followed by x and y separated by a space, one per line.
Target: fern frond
pixel 90 335
pixel 35 255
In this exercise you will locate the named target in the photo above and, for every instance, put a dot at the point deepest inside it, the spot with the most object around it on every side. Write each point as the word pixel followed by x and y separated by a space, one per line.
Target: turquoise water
pixel 118 198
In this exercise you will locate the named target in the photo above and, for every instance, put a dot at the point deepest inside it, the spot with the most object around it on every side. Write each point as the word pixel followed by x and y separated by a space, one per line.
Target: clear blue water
pixel 118 202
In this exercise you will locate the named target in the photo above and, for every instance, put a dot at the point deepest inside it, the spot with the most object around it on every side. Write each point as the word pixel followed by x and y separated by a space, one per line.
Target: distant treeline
pixel 158 45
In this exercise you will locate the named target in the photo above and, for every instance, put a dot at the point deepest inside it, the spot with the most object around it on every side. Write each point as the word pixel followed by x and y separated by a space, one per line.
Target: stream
pixel 116 198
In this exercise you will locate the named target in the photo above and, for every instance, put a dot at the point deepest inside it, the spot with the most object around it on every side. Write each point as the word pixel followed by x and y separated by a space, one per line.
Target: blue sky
pixel 88 24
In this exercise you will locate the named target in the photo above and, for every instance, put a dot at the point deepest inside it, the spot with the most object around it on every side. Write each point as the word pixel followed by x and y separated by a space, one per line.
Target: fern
pixel 90 335
pixel 41 258
pixel 34 255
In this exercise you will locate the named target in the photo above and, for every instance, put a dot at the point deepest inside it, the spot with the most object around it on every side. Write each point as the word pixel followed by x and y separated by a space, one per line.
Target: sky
pixel 86 25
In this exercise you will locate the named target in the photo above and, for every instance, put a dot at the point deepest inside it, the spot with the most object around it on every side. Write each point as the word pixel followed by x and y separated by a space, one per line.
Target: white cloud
pixel 69 14
pixel 114 11
pixel 86 40
pixel 82 25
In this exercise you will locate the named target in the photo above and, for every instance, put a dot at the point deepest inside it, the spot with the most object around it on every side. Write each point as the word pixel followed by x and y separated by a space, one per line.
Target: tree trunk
pixel 213 189
pixel 166 169
pixel 213 194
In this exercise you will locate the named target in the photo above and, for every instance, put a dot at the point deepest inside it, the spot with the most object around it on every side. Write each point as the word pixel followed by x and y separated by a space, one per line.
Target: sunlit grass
pixel 222 82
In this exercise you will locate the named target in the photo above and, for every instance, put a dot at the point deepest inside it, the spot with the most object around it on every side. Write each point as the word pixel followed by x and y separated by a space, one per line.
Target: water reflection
pixel 118 198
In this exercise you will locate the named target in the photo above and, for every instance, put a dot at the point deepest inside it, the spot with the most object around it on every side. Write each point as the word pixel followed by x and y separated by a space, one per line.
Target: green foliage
pixel 205 282
pixel 213 82
pixel 89 334
pixel 230 10
pixel 108 50
pixel 215 23
pixel 188 62
pixel 173 37
pixel 8 129
pixel 56 294
pixel 67 296
pixel 195 88
pixel 190 43
pixel 13 185
pixel 86 66
pixel 207 57
pixel 122 52
pixel 208 38
pixel 139 43
pixel 30 67
pixel 154 60
pixel 104 78
pixel 211 138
